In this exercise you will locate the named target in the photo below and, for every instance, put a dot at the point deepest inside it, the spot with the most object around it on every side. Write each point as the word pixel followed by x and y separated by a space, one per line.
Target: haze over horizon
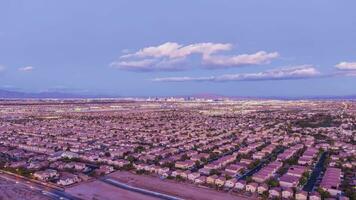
pixel 161 48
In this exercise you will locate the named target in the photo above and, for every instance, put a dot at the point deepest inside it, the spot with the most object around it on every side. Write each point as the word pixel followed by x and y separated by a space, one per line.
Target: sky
pixel 179 47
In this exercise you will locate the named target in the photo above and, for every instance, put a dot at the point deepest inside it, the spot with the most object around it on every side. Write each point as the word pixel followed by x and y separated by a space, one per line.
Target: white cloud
pixel 257 58
pixel 174 56
pixel 175 50
pixel 135 64
pixel 26 69
pixel 151 64
pixel 346 66
pixel 298 72
pixel 184 79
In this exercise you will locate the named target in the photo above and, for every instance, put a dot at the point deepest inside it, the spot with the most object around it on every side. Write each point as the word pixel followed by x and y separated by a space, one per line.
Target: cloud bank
pixel 26 69
pixel 297 72
pixel 174 56
pixel 346 69
pixel 346 66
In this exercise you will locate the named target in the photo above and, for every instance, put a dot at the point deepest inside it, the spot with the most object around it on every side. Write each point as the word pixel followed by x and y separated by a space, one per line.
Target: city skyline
pixel 131 48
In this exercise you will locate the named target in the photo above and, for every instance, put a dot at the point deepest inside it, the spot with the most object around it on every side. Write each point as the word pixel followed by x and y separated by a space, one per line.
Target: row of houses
pixel 267 172
pixel 308 156
pixel 331 181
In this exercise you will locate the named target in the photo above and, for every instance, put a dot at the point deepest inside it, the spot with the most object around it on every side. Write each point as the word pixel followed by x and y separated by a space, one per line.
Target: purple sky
pixel 142 48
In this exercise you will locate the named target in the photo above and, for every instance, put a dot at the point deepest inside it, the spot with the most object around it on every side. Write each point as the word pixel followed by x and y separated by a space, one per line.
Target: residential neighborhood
pixel 263 149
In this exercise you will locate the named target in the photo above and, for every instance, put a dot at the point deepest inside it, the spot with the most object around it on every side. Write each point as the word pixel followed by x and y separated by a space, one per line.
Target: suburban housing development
pixel 178 148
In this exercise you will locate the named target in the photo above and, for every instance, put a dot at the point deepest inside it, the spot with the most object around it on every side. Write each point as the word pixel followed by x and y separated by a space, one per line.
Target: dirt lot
pixel 183 190
pixel 97 190
pixel 13 191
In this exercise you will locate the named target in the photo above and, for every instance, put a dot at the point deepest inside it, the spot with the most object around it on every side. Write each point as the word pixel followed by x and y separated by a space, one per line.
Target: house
pixel 246 161
pixel 38 165
pixel 17 164
pixel 258 155
pixel 220 181
pixel 251 187
pixel 151 168
pixel 119 162
pixel 105 169
pixel 139 166
pixel 240 185
pixel 234 169
pixel 67 179
pixel 267 172
pixel 331 181
pixel 184 174
pixel 213 165
pixel 176 173
pixel 46 174
pixel 314 196
pixel 296 170
pixel 344 198
pixel 288 181
pixel 79 166
pixel 211 179
pixel 69 165
pixel 262 176
pixel 193 176
pixel 275 192
pixel 230 183
pixel 262 188
pixel 185 164
pixel 69 155
pixel 301 195
pixel 287 193
pixel 205 171
pixel 200 180
pixel 164 172
pixel 305 161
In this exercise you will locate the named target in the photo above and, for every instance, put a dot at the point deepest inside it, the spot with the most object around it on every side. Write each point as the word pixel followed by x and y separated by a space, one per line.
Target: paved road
pixel 47 191
pixel 319 167
pixel 138 190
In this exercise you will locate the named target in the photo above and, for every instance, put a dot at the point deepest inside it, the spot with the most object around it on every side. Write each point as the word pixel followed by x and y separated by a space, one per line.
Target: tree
pixel 249 179
pixel 204 160
pixel 128 167
pixel 139 149
pixel 272 182
pixel 324 194
pixel 214 171
pixel 184 157
pixel 131 158
pixel 264 195
pixel 179 178
pixel 303 180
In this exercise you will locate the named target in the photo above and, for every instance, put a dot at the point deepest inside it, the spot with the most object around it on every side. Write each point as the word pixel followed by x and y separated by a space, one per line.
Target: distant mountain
pixel 326 97
pixel 5 94
pixel 208 96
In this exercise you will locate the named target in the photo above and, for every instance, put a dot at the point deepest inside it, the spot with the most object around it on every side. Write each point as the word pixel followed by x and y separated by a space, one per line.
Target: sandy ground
pixel 182 190
pixel 97 190
pixel 13 191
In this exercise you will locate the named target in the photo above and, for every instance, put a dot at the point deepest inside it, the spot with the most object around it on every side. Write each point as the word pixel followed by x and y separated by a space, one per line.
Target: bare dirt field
pixel 97 190
pixel 182 190
pixel 13 191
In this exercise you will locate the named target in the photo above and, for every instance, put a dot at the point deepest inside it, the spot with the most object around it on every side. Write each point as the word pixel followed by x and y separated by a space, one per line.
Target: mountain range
pixel 6 94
